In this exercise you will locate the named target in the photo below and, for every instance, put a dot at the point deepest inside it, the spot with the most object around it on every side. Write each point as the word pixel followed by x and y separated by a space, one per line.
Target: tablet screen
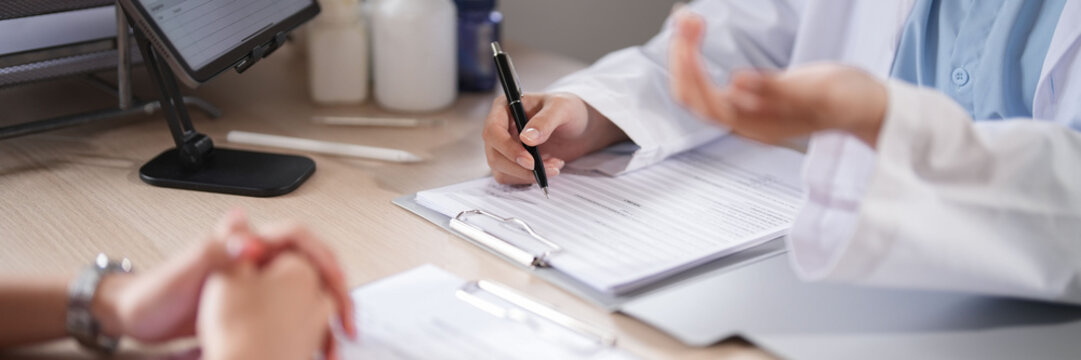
pixel 204 30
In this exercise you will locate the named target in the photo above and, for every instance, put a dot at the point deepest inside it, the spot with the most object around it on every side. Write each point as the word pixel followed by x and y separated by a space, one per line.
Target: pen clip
pixel 508 75
pixel 514 75
pixel 468 292
pixel 501 246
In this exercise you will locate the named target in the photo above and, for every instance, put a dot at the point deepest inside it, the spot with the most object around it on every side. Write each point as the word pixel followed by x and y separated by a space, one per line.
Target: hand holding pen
pixel 560 125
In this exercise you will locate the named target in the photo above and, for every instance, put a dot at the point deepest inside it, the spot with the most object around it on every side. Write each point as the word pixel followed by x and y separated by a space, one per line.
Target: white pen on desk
pixel 374 121
pixel 323 147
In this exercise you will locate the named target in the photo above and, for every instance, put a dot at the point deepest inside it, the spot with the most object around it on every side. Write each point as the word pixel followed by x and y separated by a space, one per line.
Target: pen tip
pixel 546 193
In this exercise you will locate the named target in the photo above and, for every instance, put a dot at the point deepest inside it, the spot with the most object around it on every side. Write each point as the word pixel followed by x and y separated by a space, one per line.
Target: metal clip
pixel 501 246
pixel 468 292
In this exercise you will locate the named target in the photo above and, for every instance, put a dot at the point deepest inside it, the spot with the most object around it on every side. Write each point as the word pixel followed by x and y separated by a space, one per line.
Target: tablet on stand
pixel 194 41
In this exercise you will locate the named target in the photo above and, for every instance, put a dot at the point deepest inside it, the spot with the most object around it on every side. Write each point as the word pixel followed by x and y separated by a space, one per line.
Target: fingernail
pixel 525 162
pixel 551 171
pixel 560 163
pixel 531 134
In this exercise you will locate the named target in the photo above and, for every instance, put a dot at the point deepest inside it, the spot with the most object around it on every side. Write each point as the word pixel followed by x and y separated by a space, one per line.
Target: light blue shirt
pixel 985 54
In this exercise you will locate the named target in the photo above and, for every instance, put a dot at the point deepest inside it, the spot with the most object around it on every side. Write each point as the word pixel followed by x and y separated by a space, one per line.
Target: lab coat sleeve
pixel 991 207
pixel 630 86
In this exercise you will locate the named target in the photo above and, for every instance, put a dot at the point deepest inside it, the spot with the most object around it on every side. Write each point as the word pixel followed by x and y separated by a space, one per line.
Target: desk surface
pixel 69 194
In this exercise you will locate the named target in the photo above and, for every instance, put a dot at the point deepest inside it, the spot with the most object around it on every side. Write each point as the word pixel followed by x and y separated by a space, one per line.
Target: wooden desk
pixel 70 194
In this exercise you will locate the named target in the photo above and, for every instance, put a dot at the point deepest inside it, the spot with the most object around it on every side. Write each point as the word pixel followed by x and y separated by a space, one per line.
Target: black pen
pixel 513 89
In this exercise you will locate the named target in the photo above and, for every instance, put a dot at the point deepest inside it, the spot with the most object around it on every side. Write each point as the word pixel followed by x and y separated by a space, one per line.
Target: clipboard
pixel 536 262
pixel 753 294
pixel 428 303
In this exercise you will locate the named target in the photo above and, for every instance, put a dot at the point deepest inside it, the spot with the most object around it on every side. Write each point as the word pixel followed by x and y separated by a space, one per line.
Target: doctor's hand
pixel 774 107
pixel 561 125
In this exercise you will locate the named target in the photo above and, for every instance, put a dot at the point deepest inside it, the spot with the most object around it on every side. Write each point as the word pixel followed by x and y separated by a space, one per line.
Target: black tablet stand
pixel 195 164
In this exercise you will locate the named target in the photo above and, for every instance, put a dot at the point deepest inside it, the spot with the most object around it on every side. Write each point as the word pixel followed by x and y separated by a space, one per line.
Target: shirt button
pixel 959 76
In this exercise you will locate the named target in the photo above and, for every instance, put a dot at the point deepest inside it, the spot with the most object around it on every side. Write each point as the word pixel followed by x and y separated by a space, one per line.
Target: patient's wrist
pixel 105 306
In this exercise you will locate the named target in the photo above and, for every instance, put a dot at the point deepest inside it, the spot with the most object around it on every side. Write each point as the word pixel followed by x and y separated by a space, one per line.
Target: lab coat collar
pixel 873 15
pixel 1067 34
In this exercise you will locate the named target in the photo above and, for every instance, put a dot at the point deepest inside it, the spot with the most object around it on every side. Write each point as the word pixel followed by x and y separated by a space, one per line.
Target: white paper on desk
pixel 621 233
pixel 415 315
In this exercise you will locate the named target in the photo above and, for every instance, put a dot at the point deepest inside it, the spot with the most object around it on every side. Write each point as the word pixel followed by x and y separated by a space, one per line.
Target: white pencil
pixel 374 121
pixel 323 147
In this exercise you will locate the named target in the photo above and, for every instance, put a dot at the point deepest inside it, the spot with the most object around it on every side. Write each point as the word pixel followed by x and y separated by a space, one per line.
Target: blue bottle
pixel 478 25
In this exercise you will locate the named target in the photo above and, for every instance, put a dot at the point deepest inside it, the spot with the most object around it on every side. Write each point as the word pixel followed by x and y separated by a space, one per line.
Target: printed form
pixel 420 314
pixel 621 233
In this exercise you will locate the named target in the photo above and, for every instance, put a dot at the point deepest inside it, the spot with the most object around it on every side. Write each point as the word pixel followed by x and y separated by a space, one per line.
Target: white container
pixel 338 54
pixel 414 54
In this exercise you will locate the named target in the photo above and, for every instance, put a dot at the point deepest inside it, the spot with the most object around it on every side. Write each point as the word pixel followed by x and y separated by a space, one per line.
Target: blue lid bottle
pixel 478 25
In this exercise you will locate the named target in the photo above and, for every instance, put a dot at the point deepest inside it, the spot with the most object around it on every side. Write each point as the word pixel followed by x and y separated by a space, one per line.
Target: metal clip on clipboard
pixel 468 293
pixel 501 246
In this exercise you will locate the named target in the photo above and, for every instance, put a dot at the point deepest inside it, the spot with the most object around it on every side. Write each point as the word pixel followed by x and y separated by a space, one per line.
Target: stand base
pixel 229 171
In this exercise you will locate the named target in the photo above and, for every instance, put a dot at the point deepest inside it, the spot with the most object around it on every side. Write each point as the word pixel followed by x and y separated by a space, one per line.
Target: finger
pixel 757 94
pixel 506 179
pixel 498 115
pixel 235 221
pixel 531 103
pixel 296 237
pixel 684 60
pixel 752 81
pixel 552 167
pixel 541 126
pixel 498 139
pixel 554 163
pixel 511 150
pixel 679 80
pixel 321 310
pixel 751 89
pixel 497 130
pixel 232 240
pixel 330 347
pixel 333 279
pixel 217 255
pixel 516 169
pixel 747 102
pixel 707 98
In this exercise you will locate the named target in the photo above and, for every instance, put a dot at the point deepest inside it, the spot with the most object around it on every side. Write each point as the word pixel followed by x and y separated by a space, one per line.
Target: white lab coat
pixel 945 203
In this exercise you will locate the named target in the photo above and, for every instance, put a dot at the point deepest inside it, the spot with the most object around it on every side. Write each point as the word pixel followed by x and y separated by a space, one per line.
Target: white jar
pixel 338 54
pixel 414 54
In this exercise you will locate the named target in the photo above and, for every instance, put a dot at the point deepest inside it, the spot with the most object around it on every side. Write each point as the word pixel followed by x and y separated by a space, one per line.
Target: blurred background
pixel 582 29
pixel 75 39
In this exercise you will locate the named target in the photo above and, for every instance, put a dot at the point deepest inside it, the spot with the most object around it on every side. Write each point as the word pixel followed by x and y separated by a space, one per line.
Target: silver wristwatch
pixel 81 323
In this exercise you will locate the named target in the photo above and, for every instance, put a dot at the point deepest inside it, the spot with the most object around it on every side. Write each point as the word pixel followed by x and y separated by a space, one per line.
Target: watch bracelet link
pixel 80 321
